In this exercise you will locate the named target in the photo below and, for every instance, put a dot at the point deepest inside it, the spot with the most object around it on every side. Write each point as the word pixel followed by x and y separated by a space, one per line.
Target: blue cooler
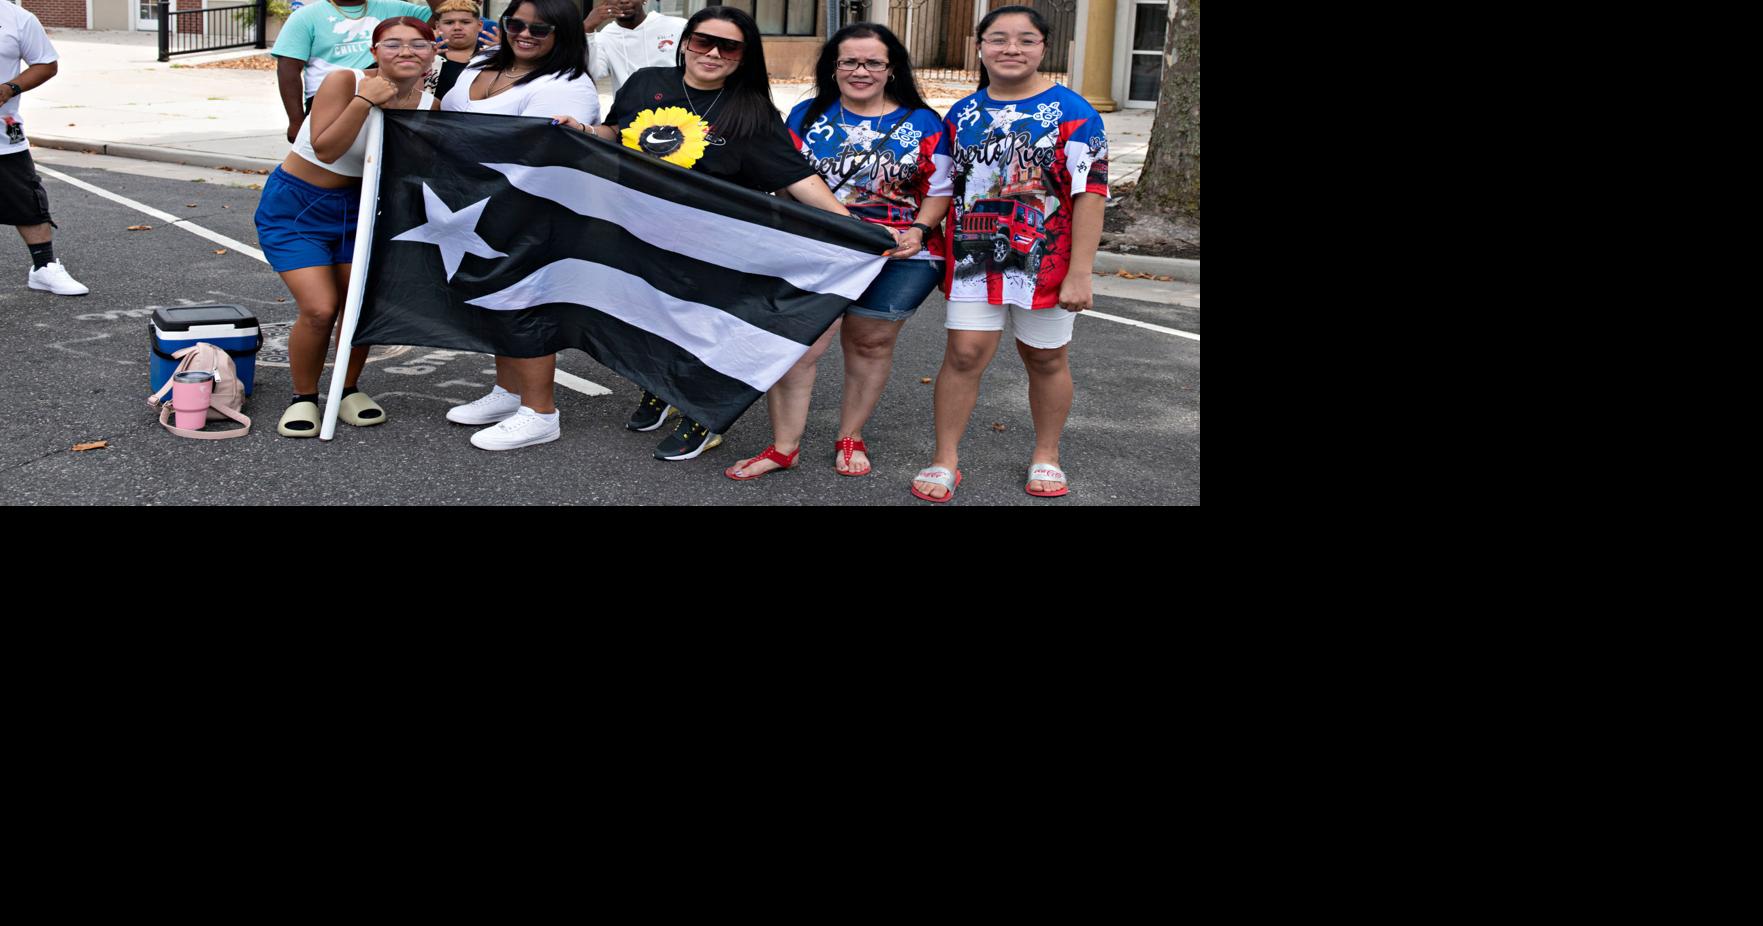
pixel 228 327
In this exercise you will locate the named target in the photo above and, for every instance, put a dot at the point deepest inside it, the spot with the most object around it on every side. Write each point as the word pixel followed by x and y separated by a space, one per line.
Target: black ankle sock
pixel 309 397
pixel 349 391
pixel 42 255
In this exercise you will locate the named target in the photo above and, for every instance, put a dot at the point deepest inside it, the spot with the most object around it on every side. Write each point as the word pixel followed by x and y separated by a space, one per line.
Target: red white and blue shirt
pixel 880 167
pixel 1018 165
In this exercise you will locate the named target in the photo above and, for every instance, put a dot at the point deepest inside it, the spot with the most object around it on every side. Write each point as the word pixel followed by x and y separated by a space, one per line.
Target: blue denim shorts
pixel 301 225
pixel 898 290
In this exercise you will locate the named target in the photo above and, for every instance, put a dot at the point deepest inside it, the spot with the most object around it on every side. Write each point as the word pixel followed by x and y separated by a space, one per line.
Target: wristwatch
pixel 16 89
pixel 923 227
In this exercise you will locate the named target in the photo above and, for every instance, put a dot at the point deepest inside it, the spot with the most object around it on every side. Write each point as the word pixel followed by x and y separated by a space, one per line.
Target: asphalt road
pixel 77 371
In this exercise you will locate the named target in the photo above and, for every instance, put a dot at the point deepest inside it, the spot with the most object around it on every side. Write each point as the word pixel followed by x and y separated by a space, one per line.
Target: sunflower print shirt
pixel 880 167
pixel 653 114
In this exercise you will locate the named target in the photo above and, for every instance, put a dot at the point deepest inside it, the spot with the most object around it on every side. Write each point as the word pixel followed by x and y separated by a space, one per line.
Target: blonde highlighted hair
pixel 457 6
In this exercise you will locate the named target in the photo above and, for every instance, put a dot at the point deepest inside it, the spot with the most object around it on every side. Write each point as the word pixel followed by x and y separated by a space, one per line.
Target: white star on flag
pixel 455 233
pixel 1003 119
pixel 861 136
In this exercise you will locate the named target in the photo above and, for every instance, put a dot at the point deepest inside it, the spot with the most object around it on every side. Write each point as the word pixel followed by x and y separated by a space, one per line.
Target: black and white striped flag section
pixel 515 237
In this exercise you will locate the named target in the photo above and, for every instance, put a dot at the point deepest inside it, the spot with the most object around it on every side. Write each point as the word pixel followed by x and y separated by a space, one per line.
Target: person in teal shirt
pixel 322 37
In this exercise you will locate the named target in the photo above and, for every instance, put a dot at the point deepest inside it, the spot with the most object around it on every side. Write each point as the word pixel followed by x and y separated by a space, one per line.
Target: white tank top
pixel 352 161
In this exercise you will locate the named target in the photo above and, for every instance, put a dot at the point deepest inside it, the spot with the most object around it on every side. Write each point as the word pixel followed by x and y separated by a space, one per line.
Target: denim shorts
pixel 301 225
pixel 898 290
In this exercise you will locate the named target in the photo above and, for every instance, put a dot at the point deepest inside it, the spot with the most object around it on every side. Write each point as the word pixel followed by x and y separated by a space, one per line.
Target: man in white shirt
pixel 23 201
pixel 635 39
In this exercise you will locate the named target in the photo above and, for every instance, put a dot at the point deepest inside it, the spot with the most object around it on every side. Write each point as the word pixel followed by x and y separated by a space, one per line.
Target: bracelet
pixel 16 89
pixel 921 227
pixel 369 102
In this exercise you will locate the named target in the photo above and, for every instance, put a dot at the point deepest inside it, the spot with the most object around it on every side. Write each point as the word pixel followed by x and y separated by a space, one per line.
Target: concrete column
pixel 1098 56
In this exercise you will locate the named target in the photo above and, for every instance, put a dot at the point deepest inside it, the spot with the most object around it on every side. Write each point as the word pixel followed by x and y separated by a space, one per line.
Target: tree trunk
pixel 1170 182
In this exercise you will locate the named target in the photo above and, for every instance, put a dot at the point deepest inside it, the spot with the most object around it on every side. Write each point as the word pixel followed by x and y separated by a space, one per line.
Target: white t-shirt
pixel 548 96
pixel 22 44
pixel 621 52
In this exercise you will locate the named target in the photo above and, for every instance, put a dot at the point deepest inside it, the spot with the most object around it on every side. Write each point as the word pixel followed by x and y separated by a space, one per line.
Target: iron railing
pixel 186 32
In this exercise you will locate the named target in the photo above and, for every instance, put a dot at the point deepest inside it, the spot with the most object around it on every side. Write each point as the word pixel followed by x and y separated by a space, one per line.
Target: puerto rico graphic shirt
pixel 1017 166
pixel 880 167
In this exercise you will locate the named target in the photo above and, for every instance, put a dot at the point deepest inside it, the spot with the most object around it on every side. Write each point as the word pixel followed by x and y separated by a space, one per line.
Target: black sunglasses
pixel 536 30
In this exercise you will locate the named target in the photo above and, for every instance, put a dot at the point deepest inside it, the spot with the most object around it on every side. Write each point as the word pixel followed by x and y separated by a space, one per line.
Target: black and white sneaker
pixel 650 413
pixel 689 438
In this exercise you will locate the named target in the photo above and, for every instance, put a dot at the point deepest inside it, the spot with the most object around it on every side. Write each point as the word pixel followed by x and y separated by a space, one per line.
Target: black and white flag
pixel 514 237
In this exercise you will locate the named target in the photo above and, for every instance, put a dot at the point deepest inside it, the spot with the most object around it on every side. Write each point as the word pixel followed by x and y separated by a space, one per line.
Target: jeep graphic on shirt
pixel 1017 167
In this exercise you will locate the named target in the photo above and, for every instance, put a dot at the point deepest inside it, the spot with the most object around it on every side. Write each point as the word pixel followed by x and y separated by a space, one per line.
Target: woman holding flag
pixel 537 71
pixel 884 153
pixel 712 112
pixel 306 216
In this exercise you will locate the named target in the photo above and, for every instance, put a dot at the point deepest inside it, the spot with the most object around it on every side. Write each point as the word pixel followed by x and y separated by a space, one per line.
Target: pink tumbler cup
pixel 190 392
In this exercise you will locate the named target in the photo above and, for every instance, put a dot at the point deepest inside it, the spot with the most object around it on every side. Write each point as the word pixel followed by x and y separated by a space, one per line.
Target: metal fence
pixel 186 32
pixel 939 33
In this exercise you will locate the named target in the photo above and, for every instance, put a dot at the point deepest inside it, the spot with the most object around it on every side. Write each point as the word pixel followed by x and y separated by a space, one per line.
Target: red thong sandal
pixel 769 453
pixel 847 446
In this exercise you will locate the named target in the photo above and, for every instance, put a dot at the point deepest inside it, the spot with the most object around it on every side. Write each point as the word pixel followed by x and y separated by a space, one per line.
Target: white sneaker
pixel 53 277
pixel 523 429
pixel 496 406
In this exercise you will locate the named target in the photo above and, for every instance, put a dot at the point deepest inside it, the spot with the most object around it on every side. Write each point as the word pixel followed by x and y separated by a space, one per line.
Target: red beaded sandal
pixel 847 446
pixel 770 453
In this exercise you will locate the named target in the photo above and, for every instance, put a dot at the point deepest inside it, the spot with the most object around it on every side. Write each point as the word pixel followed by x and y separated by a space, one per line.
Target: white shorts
pixel 1045 329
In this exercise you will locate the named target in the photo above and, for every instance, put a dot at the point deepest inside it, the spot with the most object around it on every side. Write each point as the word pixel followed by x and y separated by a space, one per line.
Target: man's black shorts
pixel 23 201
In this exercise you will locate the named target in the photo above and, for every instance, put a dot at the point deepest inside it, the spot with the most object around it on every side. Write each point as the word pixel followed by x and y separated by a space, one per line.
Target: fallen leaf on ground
pixel 140 227
pixel 1166 278
pixel 226 207
pixel 220 250
pixel 189 205
pixel 997 425
pixel 924 379
pixel 281 299
pixel 224 167
pixel 94 445
pixel 88 151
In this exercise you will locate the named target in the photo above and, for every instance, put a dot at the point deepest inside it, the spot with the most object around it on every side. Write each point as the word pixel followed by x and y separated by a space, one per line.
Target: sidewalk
pixel 112 97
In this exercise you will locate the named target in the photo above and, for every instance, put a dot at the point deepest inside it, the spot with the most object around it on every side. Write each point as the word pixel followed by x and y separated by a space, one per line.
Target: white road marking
pixel 583 386
pixel 190 227
pixel 1139 324
pixel 566 380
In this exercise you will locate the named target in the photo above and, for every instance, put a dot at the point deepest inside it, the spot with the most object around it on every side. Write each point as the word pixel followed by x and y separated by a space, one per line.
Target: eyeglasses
pixel 419 46
pixel 700 43
pixel 536 30
pixel 852 64
pixel 999 41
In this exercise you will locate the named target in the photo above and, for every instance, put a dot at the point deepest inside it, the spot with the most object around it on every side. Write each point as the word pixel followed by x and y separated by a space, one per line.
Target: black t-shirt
pixel 450 71
pixel 766 160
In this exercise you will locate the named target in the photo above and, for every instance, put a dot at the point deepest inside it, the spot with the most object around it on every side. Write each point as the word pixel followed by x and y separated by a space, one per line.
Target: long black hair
pixel 1034 18
pixel 902 86
pixel 748 107
pixel 566 55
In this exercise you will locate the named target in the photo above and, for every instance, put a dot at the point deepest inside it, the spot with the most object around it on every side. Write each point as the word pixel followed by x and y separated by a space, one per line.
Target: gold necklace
pixel 339 9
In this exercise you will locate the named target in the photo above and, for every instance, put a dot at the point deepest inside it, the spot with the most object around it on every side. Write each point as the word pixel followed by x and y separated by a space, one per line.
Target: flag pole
pixel 370 191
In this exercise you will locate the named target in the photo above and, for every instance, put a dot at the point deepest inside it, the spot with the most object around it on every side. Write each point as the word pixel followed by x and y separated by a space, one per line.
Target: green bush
pixel 278 9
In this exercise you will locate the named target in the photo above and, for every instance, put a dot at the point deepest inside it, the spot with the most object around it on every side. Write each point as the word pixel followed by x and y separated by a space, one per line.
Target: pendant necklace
pixel 705 116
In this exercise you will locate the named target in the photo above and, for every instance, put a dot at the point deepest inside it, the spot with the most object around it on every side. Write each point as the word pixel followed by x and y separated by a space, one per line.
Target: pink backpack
pixel 224 404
